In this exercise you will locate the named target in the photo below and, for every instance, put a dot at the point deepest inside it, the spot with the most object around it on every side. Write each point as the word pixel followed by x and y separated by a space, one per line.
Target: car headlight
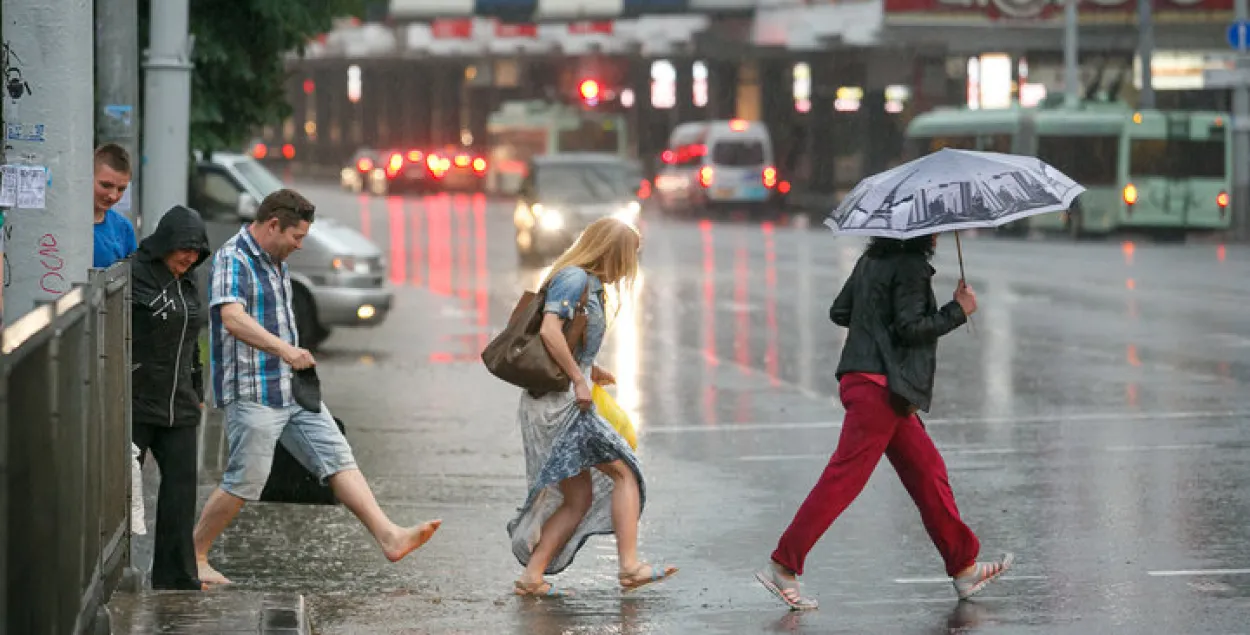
pixel 348 264
pixel 629 212
pixel 548 219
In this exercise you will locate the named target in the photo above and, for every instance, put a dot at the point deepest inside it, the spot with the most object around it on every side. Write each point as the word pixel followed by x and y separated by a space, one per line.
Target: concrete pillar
pixel 167 111
pixel 49 132
pixel 117 85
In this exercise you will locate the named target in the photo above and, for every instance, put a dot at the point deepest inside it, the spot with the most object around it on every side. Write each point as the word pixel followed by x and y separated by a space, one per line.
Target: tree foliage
pixel 240 73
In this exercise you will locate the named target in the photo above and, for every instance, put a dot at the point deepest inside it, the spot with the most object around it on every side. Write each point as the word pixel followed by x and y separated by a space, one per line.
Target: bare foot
pixel 407 539
pixel 208 575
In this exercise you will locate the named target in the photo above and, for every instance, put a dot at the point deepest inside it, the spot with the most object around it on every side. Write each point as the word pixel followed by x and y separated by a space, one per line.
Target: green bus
pixel 1146 170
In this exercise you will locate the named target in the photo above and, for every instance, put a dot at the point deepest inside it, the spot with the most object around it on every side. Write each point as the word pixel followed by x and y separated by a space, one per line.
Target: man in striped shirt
pixel 254 351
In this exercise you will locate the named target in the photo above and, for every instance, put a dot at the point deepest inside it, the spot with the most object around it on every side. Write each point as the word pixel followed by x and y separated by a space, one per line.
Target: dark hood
pixel 180 228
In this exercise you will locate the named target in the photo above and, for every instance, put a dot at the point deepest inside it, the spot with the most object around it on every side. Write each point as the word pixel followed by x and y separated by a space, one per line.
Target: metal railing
pixel 65 458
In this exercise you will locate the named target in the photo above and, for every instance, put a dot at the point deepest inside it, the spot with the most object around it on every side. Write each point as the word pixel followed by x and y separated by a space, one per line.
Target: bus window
pixel 954 143
pixel 1178 158
pixel 517 145
pixel 1090 161
pixel 738 153
pixel 996 143
pixel 590 136
pixel 1201 159
pixel 1149 157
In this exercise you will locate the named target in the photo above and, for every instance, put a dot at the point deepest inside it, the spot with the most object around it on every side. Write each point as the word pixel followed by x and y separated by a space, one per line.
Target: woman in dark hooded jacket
pixel 167 383
pixel 886 375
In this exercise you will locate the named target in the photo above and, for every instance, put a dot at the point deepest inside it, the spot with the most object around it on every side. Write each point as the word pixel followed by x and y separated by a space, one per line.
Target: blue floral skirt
pixel 562 441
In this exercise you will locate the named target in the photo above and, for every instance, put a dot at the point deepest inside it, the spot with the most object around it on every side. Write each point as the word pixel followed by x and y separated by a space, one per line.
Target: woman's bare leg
pixel 578 494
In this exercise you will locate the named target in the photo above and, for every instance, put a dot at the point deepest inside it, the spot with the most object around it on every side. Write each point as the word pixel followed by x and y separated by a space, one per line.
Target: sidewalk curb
pixel 210 612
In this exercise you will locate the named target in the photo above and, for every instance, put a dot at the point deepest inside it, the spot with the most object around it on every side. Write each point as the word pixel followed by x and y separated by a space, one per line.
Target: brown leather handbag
pixel 518 356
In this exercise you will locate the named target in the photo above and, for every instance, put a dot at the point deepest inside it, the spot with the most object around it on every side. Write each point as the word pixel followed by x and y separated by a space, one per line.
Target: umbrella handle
pixel 959 249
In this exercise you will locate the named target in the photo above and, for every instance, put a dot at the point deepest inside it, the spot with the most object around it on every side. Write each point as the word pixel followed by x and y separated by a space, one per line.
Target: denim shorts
pixel 253 432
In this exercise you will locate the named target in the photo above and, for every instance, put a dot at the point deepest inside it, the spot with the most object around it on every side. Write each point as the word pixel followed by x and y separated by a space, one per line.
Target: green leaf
pixel 238 82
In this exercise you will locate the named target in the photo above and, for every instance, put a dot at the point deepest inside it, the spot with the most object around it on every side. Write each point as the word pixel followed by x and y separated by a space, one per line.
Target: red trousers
pixel 873 428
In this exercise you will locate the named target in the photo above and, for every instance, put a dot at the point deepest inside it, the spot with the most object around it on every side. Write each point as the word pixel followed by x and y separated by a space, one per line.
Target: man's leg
pixel 252 432
pixel 315 441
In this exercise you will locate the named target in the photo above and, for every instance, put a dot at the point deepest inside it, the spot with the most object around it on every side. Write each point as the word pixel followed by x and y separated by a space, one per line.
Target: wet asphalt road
pixel 1094 422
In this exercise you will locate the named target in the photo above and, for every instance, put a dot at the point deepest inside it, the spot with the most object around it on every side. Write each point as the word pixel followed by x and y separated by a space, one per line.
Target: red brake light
pixel 260 150
pixel 705 176
pixel 668 157
pixel 479 165
pixel 738 125
pixel 770 177
pixel 397 161
pixel 644 189
pixel 462 160
pixel 784 187
pixel 414 156
pixel 365 164
pixel 589 90
pixel 288 151
pixel 1221 199
pixel 431 161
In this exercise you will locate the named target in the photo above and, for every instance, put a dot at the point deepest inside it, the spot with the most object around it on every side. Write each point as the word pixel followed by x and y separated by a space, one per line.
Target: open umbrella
pixel 950 190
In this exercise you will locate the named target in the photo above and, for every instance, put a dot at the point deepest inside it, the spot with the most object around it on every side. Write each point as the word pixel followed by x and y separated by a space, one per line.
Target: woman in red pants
pixel 886 375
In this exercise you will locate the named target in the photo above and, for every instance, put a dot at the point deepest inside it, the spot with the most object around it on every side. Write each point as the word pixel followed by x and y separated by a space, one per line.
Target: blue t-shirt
pixel 114 240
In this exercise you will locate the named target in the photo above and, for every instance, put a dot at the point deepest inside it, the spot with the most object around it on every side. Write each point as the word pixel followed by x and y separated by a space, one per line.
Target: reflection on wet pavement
pixel 1093 423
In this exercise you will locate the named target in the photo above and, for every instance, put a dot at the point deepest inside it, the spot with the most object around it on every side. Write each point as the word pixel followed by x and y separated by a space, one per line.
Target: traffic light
pixel 589 90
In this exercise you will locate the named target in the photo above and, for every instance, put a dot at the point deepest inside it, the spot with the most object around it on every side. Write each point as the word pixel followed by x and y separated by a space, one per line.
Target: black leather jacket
pixel 167 383
pixel 895 322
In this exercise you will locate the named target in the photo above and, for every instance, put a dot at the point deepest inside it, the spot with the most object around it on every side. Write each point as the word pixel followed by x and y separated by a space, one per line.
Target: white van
pixel 717 164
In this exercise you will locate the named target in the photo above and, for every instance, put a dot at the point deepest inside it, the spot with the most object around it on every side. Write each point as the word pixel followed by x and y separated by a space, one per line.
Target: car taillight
pixel 705 176
pixel 259 151
pixel 479 165
pixel 1221 199
pixel 644 189
pixel 784 187
pixel 462 160
pixel 396 162
pixel 770 177
pixel 365 164
pixel 431 161
pixel 288 151
pixel 414 156
pixel 668 156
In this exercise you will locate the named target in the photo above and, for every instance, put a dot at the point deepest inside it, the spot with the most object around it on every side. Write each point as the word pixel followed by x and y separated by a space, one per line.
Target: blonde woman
pixel 583 478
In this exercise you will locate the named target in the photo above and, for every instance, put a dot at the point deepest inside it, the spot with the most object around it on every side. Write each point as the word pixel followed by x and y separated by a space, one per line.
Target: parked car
pixel 338 276
pixel 563 193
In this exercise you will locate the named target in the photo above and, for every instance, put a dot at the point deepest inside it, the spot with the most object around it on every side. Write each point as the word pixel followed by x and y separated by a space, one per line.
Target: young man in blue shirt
pixel 114 235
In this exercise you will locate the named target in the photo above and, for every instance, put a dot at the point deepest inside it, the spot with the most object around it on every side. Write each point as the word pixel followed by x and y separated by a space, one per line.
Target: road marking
pixel 984 452
pixel 1005 578
pixel 1154 448
pixel 1087 417
pixel 1195 572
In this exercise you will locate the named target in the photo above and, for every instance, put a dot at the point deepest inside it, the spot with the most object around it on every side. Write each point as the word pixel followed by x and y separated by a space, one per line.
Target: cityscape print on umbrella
pixel 979 199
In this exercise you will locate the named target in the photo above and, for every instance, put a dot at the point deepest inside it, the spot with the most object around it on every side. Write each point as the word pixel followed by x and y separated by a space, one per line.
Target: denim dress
pixel 561 440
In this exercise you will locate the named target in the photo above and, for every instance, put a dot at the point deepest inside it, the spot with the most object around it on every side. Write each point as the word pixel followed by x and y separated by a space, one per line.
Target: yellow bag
pixel 607 408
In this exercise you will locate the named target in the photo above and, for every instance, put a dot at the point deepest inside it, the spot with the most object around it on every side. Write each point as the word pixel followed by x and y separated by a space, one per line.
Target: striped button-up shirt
pixel 245 274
